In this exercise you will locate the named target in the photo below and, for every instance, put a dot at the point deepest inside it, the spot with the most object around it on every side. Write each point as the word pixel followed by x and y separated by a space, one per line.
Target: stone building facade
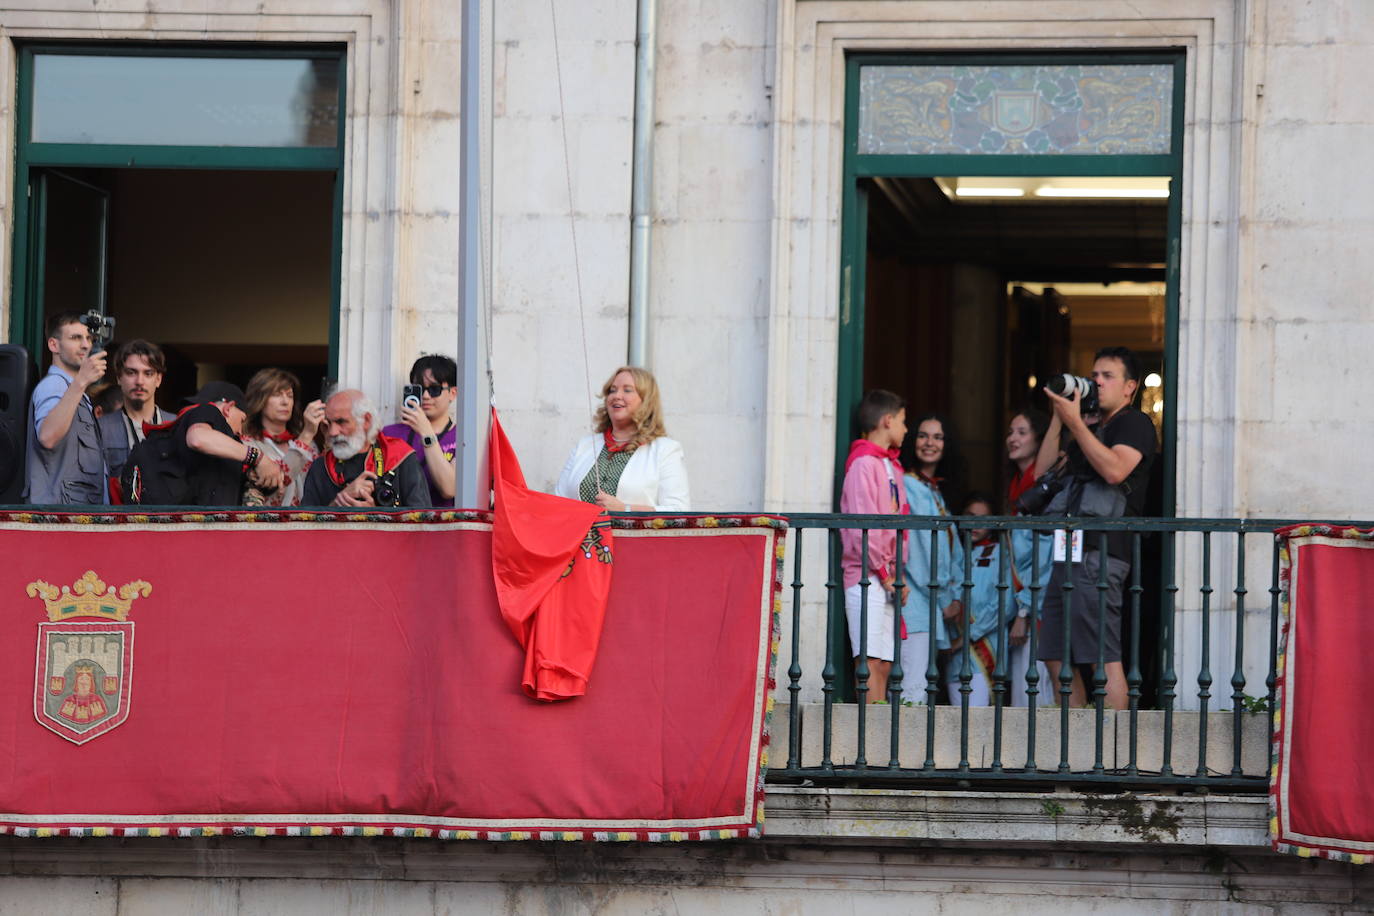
pixel 748 293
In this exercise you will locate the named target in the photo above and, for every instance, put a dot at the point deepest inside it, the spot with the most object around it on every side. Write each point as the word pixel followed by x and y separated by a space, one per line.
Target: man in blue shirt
pixel 66 460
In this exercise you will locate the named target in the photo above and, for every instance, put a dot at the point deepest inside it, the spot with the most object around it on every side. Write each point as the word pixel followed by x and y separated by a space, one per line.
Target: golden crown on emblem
pixel 89 596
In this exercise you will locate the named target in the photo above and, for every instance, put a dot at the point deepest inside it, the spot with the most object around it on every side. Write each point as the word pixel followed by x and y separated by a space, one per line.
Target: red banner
pixel 1321 797
pixel 299 674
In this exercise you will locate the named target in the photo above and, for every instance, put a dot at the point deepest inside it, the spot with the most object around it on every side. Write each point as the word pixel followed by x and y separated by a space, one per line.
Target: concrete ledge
pixel 996 818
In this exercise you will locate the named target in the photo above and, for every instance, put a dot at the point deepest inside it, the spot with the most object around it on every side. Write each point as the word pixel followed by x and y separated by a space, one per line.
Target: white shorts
pixel 879 621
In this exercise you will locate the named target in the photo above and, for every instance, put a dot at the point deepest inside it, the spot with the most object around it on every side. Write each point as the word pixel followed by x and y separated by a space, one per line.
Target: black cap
pixel 211 392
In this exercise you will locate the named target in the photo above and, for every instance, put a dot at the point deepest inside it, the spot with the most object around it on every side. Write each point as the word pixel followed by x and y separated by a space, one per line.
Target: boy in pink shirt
pixel 873 486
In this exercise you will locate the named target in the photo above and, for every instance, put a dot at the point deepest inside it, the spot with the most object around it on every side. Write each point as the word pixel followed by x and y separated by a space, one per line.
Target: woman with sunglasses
pixel 430 430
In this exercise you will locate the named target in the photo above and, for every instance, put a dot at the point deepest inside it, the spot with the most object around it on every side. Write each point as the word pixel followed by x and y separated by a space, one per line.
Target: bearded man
pixel 362 468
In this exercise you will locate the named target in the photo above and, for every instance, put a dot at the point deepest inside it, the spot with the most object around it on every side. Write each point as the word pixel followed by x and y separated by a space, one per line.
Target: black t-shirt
pixel 214 481
pixel 163 470
pixel 1128 427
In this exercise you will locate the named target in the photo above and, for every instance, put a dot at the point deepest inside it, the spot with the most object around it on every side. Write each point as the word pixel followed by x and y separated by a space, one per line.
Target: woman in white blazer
pixel 628 464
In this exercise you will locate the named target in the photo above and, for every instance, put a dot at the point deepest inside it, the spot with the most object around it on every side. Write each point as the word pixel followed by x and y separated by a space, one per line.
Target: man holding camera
pixel 1107 459
pixel 363 468
pixel 66 460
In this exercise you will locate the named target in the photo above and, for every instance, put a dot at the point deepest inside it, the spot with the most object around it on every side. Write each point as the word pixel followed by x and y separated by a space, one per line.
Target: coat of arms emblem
pixel 1014 113
pixel 85 656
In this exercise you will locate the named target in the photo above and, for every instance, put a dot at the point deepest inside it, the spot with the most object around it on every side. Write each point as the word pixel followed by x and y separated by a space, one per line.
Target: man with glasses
pixel 429 429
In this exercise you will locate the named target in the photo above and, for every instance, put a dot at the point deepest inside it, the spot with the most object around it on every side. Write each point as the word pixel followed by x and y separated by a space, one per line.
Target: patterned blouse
pixel 609 465
pixel 295 458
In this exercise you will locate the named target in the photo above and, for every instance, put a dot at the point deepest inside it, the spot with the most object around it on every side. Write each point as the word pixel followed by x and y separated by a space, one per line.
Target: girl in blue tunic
pixel 986 640
pixel 925 453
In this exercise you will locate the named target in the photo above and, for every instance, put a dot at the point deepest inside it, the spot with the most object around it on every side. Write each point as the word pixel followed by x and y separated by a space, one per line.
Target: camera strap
pixel 331 465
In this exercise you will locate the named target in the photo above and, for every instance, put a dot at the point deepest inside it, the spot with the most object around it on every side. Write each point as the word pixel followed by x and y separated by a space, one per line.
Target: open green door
pixel 69 248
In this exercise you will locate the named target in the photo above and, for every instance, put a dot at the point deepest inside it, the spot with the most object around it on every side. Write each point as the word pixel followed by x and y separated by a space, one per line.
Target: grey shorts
pixel 1083 631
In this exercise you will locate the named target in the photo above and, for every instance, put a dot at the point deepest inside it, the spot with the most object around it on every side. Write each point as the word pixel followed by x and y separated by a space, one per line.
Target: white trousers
pixel 1018 662
pixel 915 658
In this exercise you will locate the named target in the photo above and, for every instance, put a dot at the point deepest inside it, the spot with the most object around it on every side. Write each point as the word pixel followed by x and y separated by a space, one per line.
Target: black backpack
pixel 154 474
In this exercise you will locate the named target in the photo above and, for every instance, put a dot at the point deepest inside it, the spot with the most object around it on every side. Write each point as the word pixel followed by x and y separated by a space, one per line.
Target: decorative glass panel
pixel 185 101
pixel 1016 110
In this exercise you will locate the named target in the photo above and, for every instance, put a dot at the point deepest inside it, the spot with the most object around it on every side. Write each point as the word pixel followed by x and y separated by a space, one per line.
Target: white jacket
pixel 655 476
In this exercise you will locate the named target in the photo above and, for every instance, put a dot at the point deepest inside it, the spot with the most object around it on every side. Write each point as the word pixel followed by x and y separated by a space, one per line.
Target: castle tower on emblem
pixel 83 676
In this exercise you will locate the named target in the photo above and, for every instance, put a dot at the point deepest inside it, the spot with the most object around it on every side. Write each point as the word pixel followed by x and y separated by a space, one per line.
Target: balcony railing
pixel 1189 610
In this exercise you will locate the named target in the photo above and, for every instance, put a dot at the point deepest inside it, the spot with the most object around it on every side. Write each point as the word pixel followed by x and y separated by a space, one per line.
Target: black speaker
pixel 17 378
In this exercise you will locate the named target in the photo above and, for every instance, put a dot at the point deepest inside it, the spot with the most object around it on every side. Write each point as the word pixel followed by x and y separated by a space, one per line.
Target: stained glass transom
pixel 1050 109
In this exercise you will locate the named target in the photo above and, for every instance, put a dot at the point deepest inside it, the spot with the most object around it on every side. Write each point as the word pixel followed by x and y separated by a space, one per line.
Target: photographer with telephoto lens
pixel 1102 473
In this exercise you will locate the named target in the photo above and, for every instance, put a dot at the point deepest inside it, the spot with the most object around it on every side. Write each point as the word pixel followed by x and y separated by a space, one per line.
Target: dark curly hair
pixel 952 468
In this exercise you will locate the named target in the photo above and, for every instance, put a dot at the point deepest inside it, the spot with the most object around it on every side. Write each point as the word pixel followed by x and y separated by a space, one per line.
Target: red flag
pixel 551 558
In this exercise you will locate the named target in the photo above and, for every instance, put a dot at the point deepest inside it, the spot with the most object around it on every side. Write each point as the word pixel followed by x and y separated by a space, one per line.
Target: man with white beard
pixel 363 469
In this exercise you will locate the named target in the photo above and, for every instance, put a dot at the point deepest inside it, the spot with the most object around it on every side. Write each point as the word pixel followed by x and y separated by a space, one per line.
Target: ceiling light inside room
pixel 1105 193
pixel 989 192
pixel 1051 189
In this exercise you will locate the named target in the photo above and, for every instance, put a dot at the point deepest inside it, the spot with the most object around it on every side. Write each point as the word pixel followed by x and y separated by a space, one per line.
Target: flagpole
pixel 468 457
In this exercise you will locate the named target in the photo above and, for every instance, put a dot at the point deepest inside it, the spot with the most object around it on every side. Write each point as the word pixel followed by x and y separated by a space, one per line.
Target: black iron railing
pixel 1165 734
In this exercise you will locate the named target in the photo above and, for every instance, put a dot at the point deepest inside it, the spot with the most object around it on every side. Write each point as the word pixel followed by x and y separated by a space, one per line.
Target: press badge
pixel 1061 546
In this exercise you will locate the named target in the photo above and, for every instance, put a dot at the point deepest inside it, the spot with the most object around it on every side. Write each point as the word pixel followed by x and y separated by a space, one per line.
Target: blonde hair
pixel 648 416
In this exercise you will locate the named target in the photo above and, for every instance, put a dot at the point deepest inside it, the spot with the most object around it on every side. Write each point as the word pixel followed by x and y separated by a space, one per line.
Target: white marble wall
pixel 1306 408
pixel 710 253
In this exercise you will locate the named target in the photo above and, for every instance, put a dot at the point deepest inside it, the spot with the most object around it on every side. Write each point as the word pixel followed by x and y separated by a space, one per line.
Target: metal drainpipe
pixel 642 182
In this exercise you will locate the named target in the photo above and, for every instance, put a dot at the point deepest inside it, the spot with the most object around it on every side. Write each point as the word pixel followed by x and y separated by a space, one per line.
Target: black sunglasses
pixel 434 390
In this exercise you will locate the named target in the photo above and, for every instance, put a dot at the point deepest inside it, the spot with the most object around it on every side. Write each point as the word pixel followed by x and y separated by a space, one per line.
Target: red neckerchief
pixel 932 482
pixel 861 447
pixel 1022 482
pixel 386 454
pixel 280 438
pixel 614 446
pixel 150 427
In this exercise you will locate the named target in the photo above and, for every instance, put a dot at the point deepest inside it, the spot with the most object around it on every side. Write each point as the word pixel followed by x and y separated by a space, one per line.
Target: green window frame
pixel 854 243
pixel 854 214
pixel 25 319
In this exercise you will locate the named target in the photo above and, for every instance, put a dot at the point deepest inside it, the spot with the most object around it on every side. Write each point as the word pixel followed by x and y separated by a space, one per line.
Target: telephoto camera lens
pixel 1067 384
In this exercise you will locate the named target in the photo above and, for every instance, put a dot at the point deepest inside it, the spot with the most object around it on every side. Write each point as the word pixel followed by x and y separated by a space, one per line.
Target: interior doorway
pixel 1004 215
pixel 973 300
pixel 974 296
pixel 227 270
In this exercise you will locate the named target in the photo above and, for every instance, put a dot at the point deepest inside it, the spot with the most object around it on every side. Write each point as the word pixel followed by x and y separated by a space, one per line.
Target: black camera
pixel 1038 497
pixel 1067 385
pixel 101 328
pixel 385 492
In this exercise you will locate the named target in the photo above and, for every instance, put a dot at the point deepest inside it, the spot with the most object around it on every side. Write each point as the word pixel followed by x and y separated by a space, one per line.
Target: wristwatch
pixel 427 441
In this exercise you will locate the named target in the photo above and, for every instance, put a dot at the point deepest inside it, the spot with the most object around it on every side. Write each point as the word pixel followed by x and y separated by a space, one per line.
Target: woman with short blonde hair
pixel 629 464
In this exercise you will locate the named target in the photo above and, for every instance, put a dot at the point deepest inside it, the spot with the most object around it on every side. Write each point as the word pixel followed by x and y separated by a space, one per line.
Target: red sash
pixel 385 455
